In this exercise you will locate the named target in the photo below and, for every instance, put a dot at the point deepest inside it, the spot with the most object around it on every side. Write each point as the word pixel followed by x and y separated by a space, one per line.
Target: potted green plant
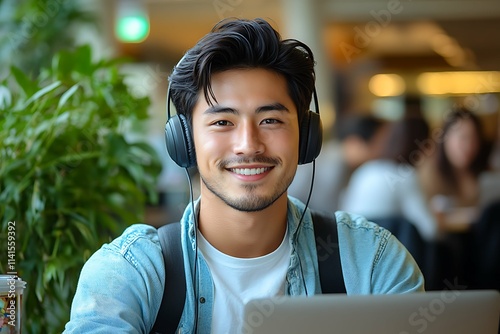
pixel 72 176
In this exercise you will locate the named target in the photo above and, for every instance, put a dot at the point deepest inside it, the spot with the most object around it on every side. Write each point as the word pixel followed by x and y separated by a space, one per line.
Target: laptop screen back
pixel 437 312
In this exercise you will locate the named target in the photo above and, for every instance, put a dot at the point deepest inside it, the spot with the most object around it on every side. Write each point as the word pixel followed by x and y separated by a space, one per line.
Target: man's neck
pixel 243 234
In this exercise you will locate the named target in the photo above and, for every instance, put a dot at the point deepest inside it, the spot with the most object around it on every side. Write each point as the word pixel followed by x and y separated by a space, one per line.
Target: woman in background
pixel 450 177
pixel 451 180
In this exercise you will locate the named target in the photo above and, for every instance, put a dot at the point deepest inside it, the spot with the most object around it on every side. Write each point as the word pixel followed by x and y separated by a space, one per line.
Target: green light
pixel 132 29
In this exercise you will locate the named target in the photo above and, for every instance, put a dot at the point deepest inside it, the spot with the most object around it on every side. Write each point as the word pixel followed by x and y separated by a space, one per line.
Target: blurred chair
pixel 483 266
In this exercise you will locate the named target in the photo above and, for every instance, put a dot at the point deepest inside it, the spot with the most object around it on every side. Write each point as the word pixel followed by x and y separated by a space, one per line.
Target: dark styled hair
pixel 241 43
pixel 403 140
pixel 479 164
pixel 364 126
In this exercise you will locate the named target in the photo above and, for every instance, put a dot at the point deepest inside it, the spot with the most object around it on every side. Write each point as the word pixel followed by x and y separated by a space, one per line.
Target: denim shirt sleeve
pixel 373 260
pixel 120 286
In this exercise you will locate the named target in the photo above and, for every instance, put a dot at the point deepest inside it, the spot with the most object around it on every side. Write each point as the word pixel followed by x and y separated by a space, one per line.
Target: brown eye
pixel 270 121
pixel 222 123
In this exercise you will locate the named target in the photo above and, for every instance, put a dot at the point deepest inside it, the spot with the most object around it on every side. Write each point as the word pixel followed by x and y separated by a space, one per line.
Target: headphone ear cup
pixel 311 138
pixel 179 142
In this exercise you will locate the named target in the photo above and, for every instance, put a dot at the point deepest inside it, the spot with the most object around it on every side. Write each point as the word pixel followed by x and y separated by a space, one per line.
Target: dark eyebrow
pixel 268 107
pixel 215 109
pixel 274 106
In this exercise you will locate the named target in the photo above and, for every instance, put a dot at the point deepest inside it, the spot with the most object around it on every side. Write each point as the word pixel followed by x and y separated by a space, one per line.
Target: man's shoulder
pixel 374 260
pixel 135 235
pixel 354 221
pixel 358 225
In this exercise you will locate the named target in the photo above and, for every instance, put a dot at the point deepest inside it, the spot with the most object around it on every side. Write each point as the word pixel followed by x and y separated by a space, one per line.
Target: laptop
pixel 436 312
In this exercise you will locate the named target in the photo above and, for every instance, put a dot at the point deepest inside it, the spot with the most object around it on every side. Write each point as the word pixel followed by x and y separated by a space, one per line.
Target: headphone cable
pixel 302 218
pixel 195 278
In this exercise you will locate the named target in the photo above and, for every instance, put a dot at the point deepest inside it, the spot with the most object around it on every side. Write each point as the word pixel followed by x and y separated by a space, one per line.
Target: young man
pixel 244 96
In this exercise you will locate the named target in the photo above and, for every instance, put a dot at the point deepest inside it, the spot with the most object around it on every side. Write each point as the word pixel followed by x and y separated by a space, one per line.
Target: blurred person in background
pixel 458 187
pixel 450 177
pixel 359 138
pixel 389 187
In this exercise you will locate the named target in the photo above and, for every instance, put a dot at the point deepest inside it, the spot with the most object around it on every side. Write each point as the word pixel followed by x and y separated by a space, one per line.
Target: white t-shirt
pixel 238 280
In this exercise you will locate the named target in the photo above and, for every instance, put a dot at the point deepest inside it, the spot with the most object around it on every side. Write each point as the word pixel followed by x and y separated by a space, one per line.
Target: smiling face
pixel 247 141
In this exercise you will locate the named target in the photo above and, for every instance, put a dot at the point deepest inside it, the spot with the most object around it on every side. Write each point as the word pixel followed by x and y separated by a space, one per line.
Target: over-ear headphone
pixel 180 144
pixel 310 134
pixel 178 138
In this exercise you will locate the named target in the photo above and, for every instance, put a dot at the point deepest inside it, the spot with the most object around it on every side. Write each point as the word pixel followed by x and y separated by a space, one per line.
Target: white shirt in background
pixel 386 189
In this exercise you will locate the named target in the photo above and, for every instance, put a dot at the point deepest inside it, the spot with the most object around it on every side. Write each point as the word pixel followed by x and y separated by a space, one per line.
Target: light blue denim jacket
pixel 121 285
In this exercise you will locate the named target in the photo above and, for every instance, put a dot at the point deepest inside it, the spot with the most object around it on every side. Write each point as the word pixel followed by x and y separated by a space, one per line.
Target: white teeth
pixel 249 171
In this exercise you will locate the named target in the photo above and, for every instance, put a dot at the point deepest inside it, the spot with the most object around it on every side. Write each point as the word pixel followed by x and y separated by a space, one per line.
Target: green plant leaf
pixel 5 97
pixel 27 85
pixel 67 95
pixel 42 92
pixel 83 59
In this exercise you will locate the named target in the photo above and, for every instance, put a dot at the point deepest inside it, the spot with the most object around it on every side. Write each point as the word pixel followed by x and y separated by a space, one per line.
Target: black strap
pixel 327 248
pixel 174 295
pixel 169 314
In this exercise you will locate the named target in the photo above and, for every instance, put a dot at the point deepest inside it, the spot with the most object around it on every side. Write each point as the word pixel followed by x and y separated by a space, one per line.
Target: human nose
pixel 248 140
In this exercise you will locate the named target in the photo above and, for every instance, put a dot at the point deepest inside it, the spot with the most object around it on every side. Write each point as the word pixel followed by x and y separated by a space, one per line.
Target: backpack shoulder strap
pixel 174 295
pixel 327 248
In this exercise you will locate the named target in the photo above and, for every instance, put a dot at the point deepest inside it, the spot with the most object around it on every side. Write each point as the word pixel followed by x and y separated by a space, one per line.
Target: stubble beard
pixel 249 201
